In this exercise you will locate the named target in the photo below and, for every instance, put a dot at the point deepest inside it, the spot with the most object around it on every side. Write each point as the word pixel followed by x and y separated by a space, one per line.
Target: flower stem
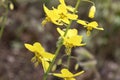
pixel 68 61
pixel 3 22
pixel 60 45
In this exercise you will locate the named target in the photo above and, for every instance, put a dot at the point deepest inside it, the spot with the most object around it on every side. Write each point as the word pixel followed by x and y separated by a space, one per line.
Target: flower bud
pixel 92 12
pixel 11 6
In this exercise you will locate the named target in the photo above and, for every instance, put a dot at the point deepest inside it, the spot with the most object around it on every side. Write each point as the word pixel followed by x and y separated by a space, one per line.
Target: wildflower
pixel 89 25
pixel 92 12
pixel 40 54
pixel 60 15
pixel 52 16
pixel 67 75
pixel 71 39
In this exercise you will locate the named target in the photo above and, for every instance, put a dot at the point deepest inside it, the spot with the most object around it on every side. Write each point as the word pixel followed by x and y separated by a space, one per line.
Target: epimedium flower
pixel 40 54
pixel 67 75
pixel 60 15
pixel 51 16
pixel 71 39
pixel 89 25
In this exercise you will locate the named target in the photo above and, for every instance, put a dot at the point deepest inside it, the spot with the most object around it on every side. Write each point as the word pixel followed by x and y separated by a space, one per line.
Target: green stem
pixel 68 61
pixel 3 22
pixel 60 45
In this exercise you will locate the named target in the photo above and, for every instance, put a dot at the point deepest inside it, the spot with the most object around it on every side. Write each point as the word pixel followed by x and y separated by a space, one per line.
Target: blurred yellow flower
pixel 67 75
pixel 89 26
pixel 60 15
pixel 92 12
pixel 40 54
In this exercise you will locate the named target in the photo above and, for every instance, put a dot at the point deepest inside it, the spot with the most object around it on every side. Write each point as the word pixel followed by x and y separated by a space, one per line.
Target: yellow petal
pixel 45 65
pixel 29 47
pixel 93 24
pixel 62 2
pixel 99 28
pixel 82 22
pixel 70 8
pixel 66 20
pixel 66 73
pixel 72 32
pixel 48 56
pixel 60 31
pixel 79 73
pixel 69 79
pixel 72 16
pixel 58 75
pixel 47 11
pixel 38 47
pixel 92 12
pixel 62 8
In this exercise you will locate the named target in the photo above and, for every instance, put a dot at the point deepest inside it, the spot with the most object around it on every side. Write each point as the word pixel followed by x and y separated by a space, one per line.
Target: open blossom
pixel 40 54
pixel 60 15
pixel 67 75
pixel 89 25
pixel 71 39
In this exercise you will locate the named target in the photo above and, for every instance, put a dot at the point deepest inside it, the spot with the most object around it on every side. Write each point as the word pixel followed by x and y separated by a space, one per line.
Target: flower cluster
pixel 62 15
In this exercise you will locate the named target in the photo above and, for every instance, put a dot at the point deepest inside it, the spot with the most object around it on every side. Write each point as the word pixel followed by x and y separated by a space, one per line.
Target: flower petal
pixel 48 56
pixel 45 65
pixel 29 47
pixel 66 73
pixel 79 73
pixel 93 24
pixel 82 22
pixel 60 32
pixel 72 16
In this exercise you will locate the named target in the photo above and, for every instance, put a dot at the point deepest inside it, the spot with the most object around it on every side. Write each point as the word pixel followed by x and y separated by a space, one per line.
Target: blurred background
pixel 100 58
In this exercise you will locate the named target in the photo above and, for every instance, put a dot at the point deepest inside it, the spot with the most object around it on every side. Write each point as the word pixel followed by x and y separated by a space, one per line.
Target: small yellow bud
pixel 36 64
pixel 11 6
pixel 59 62
pixel 54 67
pixel 88 33
pixel 92 12
pixel 76 67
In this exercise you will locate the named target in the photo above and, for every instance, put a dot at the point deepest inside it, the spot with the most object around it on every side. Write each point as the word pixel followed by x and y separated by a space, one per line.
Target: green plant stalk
pixel 3 22
pixel 60 45
pixel 68 61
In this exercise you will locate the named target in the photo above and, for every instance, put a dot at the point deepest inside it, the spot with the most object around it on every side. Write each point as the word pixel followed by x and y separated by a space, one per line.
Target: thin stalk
pixel 60 45
pixel 68 61
pixel 3 22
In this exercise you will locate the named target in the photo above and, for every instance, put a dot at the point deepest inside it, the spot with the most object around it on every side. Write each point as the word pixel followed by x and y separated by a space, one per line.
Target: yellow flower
pixel 40 54
pixel 60 15
pixel 89 26
pixel 71 39
pixel 67 75
pixel 92 12
pixel 52 16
